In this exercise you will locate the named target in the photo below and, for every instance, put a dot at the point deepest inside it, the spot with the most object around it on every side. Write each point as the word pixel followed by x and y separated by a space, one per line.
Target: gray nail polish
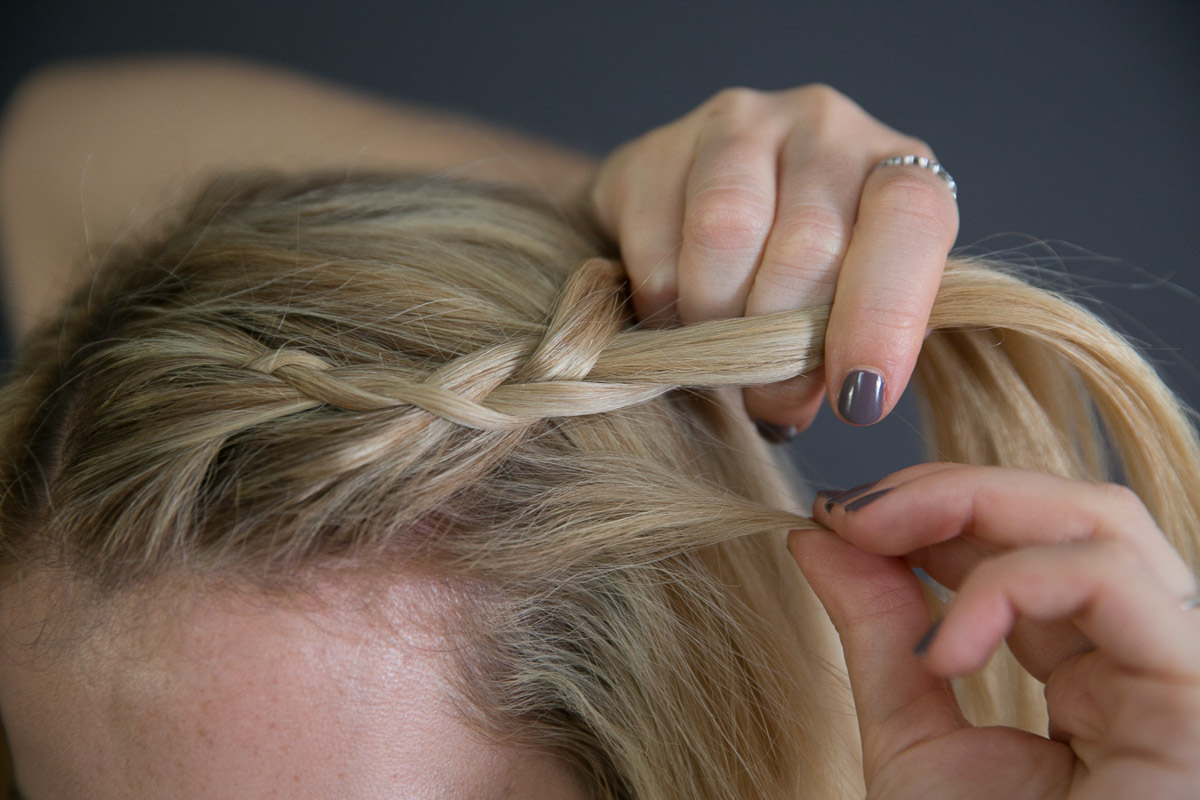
pixel 861 399
pixel 867 499
pixel 849 494
pixel 775 434
pixel 927 640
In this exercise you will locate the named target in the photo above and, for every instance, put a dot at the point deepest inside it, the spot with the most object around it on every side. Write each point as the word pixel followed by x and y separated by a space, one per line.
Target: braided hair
pixel 421 374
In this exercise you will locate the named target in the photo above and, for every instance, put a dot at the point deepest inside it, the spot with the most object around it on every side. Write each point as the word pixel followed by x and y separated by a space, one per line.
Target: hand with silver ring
pixel 761 202
pixel 1079 581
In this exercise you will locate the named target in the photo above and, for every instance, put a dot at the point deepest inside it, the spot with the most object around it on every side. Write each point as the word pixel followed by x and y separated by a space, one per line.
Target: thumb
pixel 876 605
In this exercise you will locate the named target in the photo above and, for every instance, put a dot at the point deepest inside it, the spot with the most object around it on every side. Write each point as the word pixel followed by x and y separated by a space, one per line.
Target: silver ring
pixel 923 163
pixel 1191 603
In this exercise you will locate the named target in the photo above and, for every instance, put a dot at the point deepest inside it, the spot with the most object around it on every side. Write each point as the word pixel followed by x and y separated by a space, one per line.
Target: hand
pixel 761 202
pixel 1086 589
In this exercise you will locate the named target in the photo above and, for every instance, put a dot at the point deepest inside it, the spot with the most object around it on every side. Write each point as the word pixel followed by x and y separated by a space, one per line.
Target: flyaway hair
pixel 311 375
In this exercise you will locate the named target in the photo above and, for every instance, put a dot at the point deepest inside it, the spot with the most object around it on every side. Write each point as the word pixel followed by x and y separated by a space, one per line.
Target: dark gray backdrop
pixel 1063 121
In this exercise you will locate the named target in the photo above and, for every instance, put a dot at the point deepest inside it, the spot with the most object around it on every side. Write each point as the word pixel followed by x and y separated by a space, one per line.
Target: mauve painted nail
pixel 927 640
pixel 849 494
pixel 867 499
pixel 775 434
pixel 861 398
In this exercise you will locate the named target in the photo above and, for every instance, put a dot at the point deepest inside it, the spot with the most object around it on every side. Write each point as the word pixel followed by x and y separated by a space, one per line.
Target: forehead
pixel 230 695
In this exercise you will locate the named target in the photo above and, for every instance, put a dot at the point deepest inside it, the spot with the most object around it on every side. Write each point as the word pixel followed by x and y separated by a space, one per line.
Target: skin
pixel 196 695
pixel 1096 590
pixel 90 155
pixel 753 203
pixel 758 202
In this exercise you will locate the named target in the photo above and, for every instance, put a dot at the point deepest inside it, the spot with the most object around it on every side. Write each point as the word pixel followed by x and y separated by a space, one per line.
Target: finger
pixel 792 403
pixel 906 224
pixel 999 509
pixel 730 206
pixel 1038 646
pixel 818 198
pixel 1074 707
pixel 1096 705
pixel 638 199
pixel 650 246
pixel 822 510
pixel 877 608
pixel 1099 585
pixel 817 204
pixel 995 510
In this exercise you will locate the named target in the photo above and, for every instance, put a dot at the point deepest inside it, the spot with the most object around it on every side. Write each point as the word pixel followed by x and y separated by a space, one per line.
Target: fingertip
pixel 655 310
pixel 937 652
pixel 775 434
pixel 867 499
pixel 861 399
pixel 971 631
pixel 809 543
pixel 822 505
pixel 924 644
pixel 790 541
pixel 792 403
pixel 830 498
pixel 653 292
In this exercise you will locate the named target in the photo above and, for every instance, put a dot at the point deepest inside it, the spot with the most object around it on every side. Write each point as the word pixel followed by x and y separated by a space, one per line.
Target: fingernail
pixel 775 434
pixel 927 640
pixel 849 494
pixel 861 399
pixel 866 500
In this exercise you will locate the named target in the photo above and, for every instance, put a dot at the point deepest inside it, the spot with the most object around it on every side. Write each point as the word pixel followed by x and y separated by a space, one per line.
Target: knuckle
pixel 1120 495
pixel 829 115
pixel 824 100
pixel 824 93
pixel 735 101
pixel 812 235
pixel 727 219
pixel 911 145
pixel 917 198
pixel 1124 503
pixel 1070 696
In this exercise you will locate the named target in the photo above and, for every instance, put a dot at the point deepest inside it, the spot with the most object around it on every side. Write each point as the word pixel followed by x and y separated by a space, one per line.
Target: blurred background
pixel 1071 126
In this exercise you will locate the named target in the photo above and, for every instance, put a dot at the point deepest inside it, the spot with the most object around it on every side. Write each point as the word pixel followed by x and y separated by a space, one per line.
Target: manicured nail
pixel 775 434
pixel 927 640
pixel 841 497
pixel 828 493
pixel 867 499
pixel 861 399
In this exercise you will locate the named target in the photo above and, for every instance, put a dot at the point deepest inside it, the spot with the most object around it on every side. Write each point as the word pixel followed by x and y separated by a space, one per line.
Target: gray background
pixel 1063 122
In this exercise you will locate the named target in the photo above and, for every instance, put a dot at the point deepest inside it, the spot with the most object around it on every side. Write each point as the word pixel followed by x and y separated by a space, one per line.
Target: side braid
pixel 422 375
pixel 503 387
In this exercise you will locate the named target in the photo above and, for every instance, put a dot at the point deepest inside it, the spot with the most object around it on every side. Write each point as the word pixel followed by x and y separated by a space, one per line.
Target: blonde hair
pixel 422 374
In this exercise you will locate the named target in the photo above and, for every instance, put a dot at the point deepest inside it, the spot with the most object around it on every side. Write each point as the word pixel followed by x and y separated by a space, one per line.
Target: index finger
pixel 907 222
pixel 1000 509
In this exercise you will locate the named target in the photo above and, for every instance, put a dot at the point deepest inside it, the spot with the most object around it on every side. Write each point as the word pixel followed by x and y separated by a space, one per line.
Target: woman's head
pixel 415 414
pixel 372 482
